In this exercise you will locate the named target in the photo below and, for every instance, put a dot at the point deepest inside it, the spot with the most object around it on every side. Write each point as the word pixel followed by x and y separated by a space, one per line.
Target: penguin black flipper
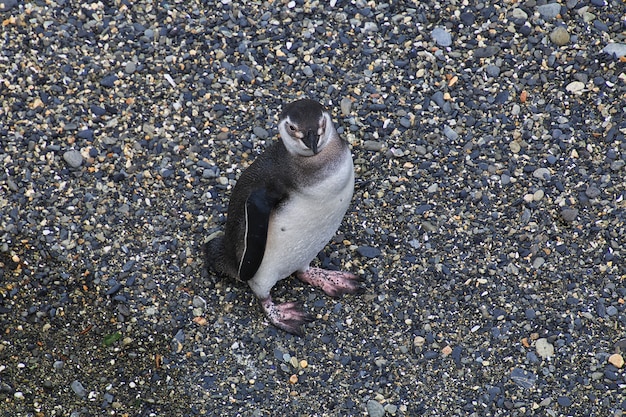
pixel 258 208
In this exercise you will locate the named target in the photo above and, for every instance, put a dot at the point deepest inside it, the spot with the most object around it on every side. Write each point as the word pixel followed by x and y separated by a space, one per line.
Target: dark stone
pixel 368 251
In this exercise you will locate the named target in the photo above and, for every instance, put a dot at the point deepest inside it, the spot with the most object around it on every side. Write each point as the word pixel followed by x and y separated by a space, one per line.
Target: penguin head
pixel 305 127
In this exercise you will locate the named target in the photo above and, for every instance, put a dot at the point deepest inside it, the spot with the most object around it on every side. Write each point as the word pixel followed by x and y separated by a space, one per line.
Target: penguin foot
pixel 288 316
pixel 333 283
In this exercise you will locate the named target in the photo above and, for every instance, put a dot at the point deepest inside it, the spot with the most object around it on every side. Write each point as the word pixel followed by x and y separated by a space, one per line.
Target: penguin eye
pixel 292 128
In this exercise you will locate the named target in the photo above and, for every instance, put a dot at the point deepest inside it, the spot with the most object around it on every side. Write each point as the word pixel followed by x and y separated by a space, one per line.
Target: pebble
pixel 78 389
pixel 493 70
pixel 564 401
pixel 130 67
pixel 375 409
pixel 441 36
pixel 549 11
pixel 523 378
pixel 569 214
pixel 575 87
pixel 260 132
pixel 615 49
pixel 450 133
pixel 560 36
pixel 346 106
pixel 542 173
pixel 544 348
pixel 368 251
pixel 73 158
pixel 372 145
pixel 592 191
pixel 519 13
pixel 486 52
pixel 616 360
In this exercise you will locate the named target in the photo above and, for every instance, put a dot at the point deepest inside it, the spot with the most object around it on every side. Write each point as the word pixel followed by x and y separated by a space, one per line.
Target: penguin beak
pixel 311 141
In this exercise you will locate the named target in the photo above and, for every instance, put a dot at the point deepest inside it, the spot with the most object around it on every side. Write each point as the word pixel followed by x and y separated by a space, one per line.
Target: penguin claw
pixel 287 316
pixel 333 283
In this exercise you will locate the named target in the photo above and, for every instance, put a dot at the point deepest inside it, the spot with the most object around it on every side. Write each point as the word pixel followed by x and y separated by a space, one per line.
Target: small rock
pixel 450 133
pixel 564 401
pixel 492 70
pixel 368 251
pixel 616 360
pixel 538 195
pixel 372 145
pixel 537 263
pixel 78 389
pixel 73 158
pixel 370 27
pixel 560 36
pixel 544 348
pixel 487 51
pixel 375 409
pixel 523 378
pixel 542 173
pixel 130 67
pixel 515 147
pixel 260 132
pixel 617 50
pixel 108 81
pixel 518 13
pixel 441 37
pixel 575 87
pixel 549 11
pixel 569 214
pixel 346 106
pixel 592 191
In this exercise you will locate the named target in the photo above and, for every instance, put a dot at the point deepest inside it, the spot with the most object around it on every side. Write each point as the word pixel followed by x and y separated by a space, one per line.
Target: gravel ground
pixel 488 219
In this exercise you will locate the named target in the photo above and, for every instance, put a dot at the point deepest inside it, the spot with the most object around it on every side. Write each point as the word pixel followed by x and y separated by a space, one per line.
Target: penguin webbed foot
pixel 287 316
pixel 333 283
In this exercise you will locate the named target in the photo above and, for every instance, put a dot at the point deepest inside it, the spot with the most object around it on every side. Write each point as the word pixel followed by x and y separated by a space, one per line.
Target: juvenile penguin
pixel 283 210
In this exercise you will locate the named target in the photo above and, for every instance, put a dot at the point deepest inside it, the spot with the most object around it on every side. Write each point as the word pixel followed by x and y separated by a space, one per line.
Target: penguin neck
pixel 313 168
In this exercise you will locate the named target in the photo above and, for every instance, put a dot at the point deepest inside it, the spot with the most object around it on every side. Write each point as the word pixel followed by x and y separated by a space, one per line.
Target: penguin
pixel 284 209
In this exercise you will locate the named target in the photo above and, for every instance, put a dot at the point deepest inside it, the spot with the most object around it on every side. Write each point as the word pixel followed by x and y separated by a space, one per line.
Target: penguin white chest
pixel 303 225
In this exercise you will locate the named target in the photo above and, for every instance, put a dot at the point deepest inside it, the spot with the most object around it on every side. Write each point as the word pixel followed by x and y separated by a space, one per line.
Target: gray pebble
pixel 493 70
pixel 564 401
pixel 346 106
pixel 542 173
pixel 615 49
pixel 370 27
pixel 569 214
pixel 518 13
pixel 199 302
pixel 73 158
pixel 549 11
pixel 523 378
pixel 260 132
pixel 450 133
pixel 592 191
pixel 487 51
pixel 78 389
pixel 617 165
pixel 368 251
pixel 538 262
pixel 130 67
pixel 375 409
pixel 560 36
pixel 441 36
pixel 372 145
